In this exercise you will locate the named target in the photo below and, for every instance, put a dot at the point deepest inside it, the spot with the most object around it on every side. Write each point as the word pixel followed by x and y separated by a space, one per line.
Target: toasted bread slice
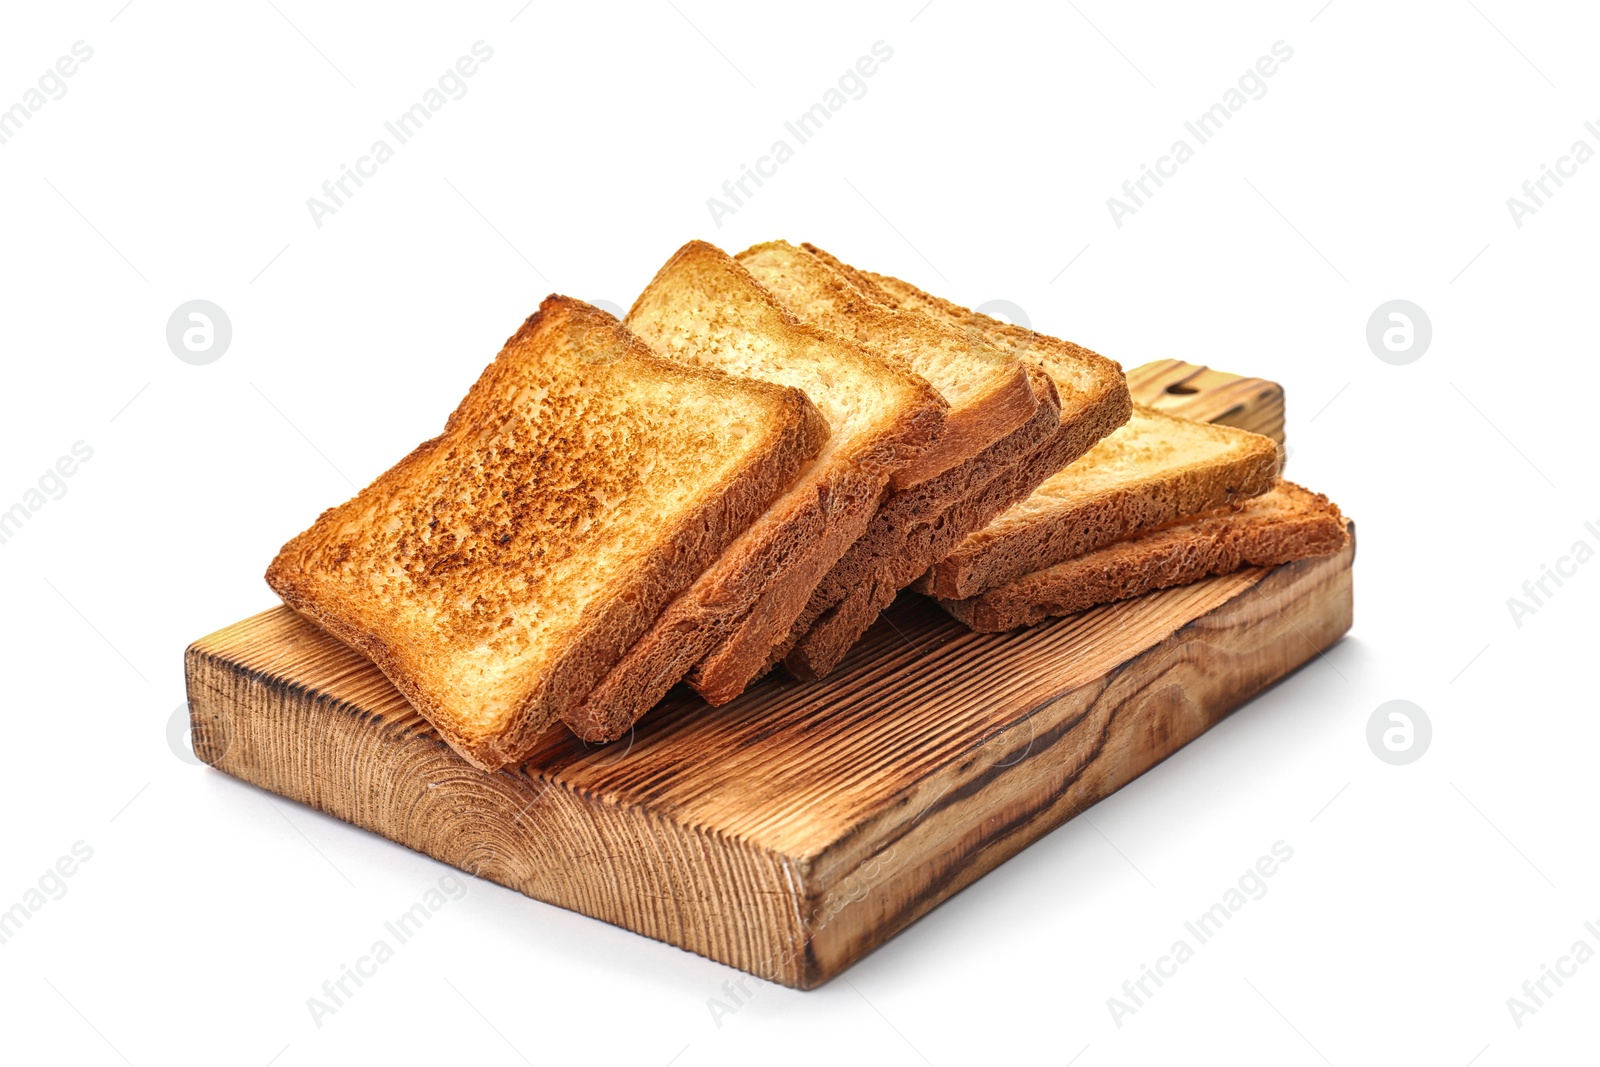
pixel 1153 469
pixel 1094 394
pixel 836 630
pixel 704 309
pixel 1285 524
pixel 902 540
pixel 499 571
pixel 1094 401
pixel 1019 452
pixel 987 390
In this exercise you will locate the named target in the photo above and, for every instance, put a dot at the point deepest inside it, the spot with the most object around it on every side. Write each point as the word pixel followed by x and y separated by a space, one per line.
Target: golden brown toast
pixel 1094 401
pixel 915 528
pixel 987 390
pixel 704 309
pixel 1282 525
pixel 1153 469
pixel 500 570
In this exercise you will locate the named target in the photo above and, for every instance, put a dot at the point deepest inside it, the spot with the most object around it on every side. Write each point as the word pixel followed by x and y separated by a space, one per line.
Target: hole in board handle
pixel 1181 389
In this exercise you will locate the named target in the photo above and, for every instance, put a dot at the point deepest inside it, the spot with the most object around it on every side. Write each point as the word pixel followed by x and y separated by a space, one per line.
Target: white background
pixel 978 163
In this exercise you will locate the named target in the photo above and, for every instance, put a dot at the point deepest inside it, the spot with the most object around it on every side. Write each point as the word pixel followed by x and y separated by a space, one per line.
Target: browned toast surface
pixel 704 309
pixel 1093 401
pixel 987 389
pixel 1285 524
pixel 497 572
pixel 1153 469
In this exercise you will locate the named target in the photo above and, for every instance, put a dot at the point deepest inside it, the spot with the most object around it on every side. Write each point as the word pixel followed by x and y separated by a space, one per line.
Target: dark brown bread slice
pixel 987 390
pixel 906 519
pixel 1021 450
pixel 999 425
pixel 837 629
pixel 1285 524
pixel 907 532
pixel 703 308
pixel 1154 469
pixel 908 538
pixel 1023 453
pixel 747 651
pixel 499 571
pixel 1094 402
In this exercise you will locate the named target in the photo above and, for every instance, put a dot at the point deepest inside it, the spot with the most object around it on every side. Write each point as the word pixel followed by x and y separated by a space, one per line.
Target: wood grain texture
pixel 793 830
pixel 1197 392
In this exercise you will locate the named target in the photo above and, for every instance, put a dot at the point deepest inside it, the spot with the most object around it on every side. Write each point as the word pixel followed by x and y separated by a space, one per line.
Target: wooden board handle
pixel 1198 392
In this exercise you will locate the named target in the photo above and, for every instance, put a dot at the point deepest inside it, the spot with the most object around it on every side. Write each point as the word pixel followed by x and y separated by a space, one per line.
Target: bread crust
pixel 746 653
pixel 1094 401
pixel 1009 404
pixel 887 542
pixel 714 636
pixel 1029 539
pixel 776 562
pixel 824 646
pixel 831 636
pixel 381 575
pixel 1283 525
pixel 987 389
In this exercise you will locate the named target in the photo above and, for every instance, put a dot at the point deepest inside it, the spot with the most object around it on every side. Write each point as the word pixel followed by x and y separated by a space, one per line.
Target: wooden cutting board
pixel 799 827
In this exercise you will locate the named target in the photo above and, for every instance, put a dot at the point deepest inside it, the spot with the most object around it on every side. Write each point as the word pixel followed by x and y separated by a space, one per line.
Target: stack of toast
pixel 741 475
